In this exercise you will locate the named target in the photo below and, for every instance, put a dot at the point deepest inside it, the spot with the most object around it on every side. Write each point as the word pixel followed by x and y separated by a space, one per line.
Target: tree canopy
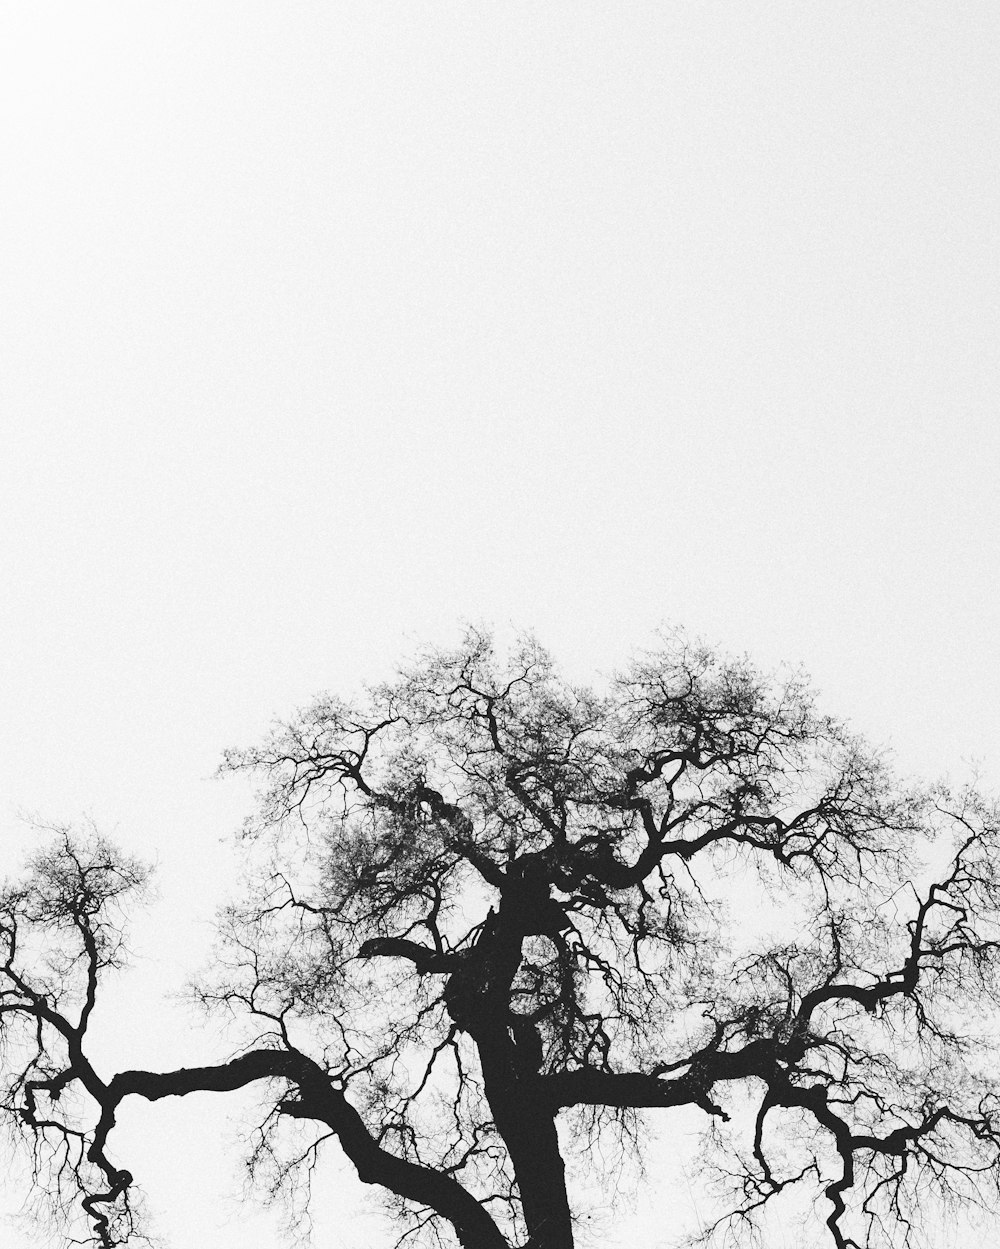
pixel 492 919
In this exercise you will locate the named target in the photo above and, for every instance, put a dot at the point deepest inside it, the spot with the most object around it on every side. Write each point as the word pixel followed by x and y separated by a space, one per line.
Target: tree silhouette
pixel 492 917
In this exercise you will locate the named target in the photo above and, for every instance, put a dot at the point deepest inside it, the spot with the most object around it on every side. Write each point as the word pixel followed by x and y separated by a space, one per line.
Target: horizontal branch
pixel 225 1078
pixel 588 1086
pixel 422 957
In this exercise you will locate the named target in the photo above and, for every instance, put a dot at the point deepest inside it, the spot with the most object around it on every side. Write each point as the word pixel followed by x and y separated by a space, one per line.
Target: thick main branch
pixel 313 1096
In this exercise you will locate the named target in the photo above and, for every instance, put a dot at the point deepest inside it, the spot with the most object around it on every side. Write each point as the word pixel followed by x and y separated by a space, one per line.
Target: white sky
pixel 325 327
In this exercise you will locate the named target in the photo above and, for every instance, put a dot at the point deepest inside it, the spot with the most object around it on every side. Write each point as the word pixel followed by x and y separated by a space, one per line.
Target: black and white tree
pixel 496 926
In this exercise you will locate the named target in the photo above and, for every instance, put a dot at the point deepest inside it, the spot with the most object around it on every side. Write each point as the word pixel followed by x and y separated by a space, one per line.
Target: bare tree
pixel 490 914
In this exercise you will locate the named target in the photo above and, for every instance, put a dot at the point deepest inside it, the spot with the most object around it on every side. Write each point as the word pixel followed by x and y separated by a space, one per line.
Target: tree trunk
pixel 529 1131
pixel 478 998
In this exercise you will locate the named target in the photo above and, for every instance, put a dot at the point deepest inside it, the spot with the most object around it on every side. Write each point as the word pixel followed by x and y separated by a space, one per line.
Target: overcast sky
pixel 326 327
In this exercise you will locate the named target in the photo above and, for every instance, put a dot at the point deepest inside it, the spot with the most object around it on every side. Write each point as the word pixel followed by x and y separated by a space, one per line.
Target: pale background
pixel 327 326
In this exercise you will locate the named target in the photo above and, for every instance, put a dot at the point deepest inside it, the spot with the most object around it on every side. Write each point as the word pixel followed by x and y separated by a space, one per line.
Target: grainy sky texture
pixel 327 326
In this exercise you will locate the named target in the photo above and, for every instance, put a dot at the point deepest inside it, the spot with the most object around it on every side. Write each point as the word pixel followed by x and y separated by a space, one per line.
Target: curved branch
pixel 317 1098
